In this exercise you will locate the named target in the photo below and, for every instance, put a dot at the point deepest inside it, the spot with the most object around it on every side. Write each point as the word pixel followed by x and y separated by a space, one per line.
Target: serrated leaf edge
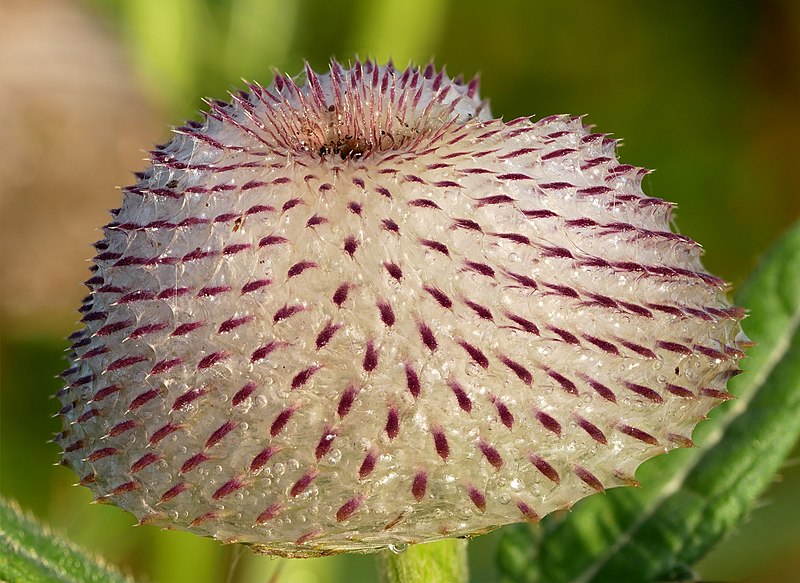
pixel 7 539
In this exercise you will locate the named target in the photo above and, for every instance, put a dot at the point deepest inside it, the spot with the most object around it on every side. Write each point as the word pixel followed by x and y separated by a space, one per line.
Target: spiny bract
pixel 360 311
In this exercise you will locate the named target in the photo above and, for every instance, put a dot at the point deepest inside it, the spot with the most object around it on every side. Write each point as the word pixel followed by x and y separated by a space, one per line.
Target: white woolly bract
pixel 361 312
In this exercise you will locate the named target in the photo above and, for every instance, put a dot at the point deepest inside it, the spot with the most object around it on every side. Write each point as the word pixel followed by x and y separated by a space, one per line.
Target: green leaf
pixel 31 553
pixel 689 499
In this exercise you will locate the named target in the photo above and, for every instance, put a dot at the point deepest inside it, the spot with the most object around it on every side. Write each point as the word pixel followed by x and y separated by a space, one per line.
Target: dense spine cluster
pixel 360 311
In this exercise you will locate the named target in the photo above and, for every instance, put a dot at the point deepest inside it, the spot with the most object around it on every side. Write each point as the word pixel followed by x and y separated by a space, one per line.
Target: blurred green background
pixel 704 92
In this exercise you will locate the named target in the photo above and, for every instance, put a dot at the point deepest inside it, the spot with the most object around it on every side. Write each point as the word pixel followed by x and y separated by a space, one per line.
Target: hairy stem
pixel 443 562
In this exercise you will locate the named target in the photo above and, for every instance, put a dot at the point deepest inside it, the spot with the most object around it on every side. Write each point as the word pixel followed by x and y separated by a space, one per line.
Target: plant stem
pixel 439 562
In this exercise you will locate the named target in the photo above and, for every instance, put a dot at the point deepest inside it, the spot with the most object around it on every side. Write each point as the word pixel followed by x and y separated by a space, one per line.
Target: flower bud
pixel 360 311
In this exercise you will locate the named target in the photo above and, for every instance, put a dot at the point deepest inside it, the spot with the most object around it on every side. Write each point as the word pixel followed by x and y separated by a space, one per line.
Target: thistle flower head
pixel 360 311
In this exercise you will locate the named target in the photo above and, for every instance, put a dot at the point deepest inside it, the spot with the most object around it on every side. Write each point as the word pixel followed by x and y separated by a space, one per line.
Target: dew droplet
pixel 472 369
pixel 398 548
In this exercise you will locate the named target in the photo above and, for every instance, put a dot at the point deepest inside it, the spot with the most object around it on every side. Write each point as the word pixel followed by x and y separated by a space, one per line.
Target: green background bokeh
pixel 704 92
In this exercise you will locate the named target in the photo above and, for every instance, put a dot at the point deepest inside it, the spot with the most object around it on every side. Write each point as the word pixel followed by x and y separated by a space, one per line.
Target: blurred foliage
pixel 32 553
pixel 705 92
